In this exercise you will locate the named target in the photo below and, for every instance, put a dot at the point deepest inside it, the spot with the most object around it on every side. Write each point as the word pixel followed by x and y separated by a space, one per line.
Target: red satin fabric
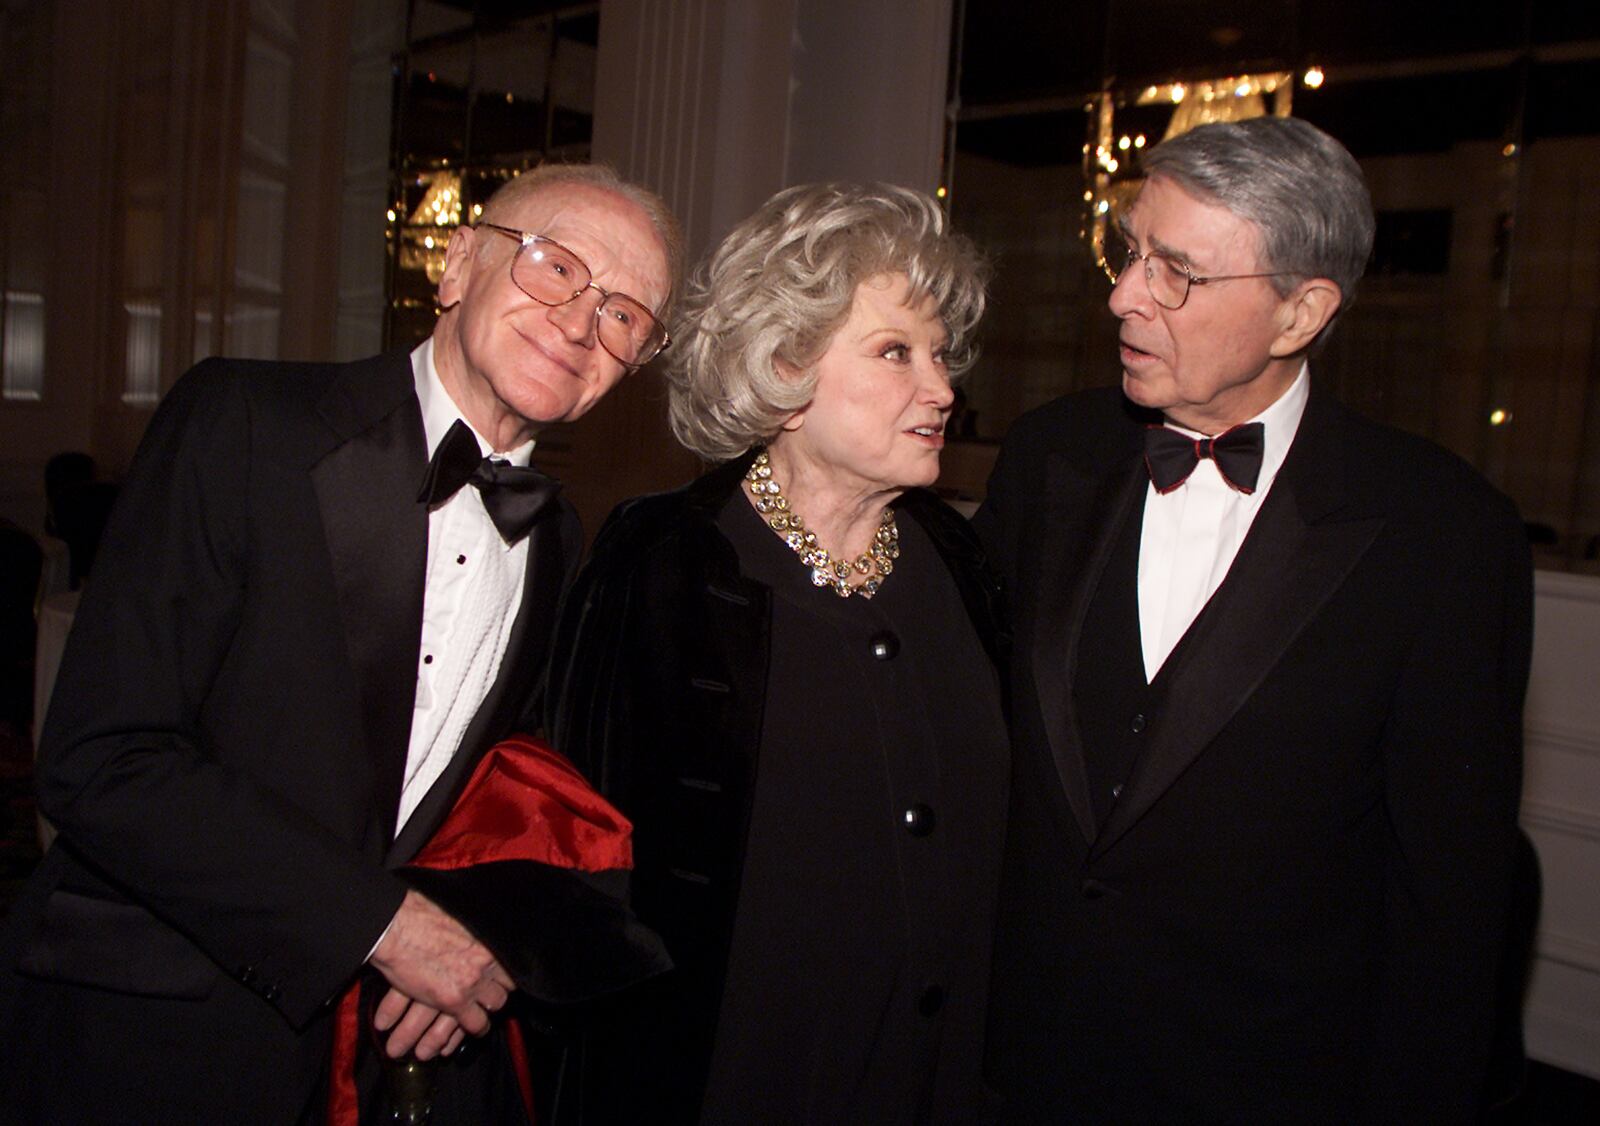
pixel 523 802
pixel 517 1045
pixel 343 1106
pixel 526 802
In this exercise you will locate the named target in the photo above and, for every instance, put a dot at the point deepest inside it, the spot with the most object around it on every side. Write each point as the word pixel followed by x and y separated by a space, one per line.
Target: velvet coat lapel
pixel 1304 541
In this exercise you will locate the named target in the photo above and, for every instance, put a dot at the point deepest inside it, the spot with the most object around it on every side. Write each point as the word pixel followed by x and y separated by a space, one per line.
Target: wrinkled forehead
pixel 610 232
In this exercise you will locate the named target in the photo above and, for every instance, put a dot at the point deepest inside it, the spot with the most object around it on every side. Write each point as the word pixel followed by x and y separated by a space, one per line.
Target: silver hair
pixel 518 190
pixel 761 312
pixel 1298 186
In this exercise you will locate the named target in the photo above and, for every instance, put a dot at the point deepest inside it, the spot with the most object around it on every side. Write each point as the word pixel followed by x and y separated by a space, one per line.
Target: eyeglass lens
pixel 1167 279
pixel 550 273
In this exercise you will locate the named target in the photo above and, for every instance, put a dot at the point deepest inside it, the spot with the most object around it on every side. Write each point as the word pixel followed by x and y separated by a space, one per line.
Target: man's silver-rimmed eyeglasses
pixel 553 275
pixel 1168 278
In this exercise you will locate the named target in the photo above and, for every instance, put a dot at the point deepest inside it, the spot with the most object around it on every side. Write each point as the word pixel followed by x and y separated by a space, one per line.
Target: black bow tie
pixel 513 495
pixel 1171 456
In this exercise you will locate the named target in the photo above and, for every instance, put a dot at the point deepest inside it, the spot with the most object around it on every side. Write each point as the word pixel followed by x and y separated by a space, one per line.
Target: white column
pixel 719 103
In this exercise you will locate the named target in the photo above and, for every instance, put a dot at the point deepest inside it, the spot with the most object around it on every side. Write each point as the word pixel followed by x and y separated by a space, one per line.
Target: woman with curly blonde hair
pixel 784 674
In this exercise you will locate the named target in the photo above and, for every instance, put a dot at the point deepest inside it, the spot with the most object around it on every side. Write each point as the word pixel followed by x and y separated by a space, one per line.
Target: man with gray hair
pixel 326 591
pixel 1267 692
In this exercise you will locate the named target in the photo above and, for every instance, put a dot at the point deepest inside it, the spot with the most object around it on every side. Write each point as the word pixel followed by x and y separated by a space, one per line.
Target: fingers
pixel 445 983
pixel 454 1042
pixel 438 1035
pixel 492 995
pixel 427 1031
pixel 408 1031
pixel 497 974
pixel 390 1010
pixel 432 958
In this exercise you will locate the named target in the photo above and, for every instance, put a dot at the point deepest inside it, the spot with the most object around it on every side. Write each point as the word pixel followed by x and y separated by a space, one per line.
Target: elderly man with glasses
pixel 325 592
pixel 1267 687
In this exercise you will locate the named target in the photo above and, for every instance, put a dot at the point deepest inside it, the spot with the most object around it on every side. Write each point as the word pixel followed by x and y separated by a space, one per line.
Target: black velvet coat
pixel 657 692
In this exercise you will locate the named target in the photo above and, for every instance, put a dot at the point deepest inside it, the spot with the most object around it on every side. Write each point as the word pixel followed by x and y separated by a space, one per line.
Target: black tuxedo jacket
pixel 1295 909
pixel 225 748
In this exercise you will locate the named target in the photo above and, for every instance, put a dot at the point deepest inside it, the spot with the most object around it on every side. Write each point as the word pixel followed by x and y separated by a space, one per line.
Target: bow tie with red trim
pixel 513 495
pixel 1171 457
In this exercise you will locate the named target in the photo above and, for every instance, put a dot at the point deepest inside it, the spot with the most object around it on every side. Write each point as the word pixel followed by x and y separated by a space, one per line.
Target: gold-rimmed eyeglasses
pixel 1169 279
pixel 553 275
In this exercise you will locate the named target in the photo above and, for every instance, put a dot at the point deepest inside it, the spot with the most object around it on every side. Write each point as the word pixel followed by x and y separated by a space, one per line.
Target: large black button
pixel 884 645
pixel 918 820
pixel 931 1001
pixel 1138 723
pixel 1094 889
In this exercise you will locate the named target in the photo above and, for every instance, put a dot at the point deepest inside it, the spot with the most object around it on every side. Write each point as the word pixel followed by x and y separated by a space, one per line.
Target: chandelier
pixel 1110 161
pixel 426 232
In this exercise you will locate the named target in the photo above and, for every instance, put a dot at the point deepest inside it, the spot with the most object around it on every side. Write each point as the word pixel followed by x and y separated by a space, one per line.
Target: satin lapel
pixel 1299 550
pixel 552 545
pixel 1084 515
pixel 377 537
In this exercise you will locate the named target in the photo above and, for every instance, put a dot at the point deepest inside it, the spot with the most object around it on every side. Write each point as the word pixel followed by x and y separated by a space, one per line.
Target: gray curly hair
pixel 783 282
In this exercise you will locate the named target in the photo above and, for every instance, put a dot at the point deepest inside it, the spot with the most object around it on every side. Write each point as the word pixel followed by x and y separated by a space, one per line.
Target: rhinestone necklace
pixel 873 565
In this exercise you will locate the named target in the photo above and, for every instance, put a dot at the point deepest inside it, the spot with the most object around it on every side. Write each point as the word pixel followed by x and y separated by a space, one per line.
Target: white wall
pixel 1561 812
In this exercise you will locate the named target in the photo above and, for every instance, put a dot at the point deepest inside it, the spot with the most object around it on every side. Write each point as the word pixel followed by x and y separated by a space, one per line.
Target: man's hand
pixel 445 982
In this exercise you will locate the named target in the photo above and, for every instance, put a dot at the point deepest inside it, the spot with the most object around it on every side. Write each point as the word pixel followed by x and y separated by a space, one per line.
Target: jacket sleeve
pixel 128 772
pixel 1452 761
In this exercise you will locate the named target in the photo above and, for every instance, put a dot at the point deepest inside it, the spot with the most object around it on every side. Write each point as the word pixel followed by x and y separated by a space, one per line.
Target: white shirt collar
pixel 439 411
pixel 1280 422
